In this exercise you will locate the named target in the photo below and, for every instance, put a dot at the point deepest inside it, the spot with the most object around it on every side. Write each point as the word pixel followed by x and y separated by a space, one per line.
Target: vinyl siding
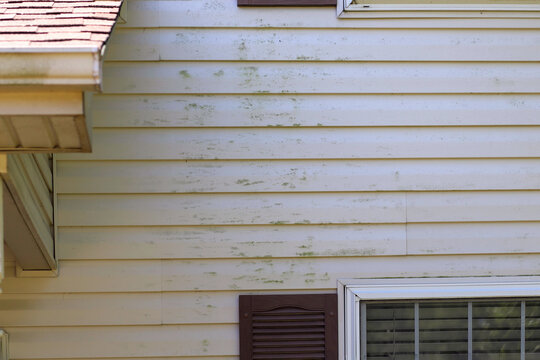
pixel 271 150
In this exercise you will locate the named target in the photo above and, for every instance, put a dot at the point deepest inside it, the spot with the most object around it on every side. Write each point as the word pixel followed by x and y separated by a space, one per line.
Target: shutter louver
pixel 299 327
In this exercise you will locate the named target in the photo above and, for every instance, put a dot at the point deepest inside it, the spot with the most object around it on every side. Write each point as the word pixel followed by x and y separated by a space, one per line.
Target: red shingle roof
pixel 57 23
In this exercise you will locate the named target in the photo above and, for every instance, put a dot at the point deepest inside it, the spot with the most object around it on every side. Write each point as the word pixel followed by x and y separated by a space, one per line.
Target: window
pixel 441 9
pixel 448 318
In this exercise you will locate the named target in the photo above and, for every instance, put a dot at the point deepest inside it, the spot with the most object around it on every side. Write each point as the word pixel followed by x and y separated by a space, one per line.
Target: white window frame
pixel 510 9
pixel 4 343
pixel 351 292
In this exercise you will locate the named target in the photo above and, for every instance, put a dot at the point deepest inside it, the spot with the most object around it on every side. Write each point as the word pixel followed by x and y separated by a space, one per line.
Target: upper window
pixel 441 319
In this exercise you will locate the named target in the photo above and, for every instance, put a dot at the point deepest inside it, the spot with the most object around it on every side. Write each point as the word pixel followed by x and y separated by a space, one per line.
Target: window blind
pixel 450 330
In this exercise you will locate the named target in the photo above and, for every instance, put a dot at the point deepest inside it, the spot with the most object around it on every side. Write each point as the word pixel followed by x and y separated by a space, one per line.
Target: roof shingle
pixel 58 23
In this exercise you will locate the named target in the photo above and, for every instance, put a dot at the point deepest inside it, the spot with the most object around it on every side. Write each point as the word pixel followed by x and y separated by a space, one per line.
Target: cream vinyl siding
pixel 271 150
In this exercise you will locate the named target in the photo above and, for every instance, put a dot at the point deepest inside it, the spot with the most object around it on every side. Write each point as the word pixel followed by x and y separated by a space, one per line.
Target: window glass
pixel 390 331
pixel 477 329
pixel 496 330
pixel 443 330
pixel 532 327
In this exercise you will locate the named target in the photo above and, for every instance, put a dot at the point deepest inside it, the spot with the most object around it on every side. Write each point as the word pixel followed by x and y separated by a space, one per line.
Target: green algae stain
pixel 184 74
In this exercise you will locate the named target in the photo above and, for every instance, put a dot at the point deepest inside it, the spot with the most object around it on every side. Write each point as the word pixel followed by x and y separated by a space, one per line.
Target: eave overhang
pixel 50 61
pixel 41 98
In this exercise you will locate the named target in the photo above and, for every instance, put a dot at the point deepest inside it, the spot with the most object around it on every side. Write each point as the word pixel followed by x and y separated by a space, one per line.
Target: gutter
pixel 77 67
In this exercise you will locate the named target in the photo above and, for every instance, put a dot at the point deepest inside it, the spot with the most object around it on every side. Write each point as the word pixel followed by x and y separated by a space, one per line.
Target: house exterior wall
pixel 275 150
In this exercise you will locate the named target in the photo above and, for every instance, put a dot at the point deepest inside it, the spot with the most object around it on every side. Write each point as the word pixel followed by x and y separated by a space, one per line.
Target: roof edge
pixel 47 50
pixel 80 68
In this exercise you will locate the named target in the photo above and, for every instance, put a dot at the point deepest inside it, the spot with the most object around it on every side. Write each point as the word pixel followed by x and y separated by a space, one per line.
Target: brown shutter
pixel 288 327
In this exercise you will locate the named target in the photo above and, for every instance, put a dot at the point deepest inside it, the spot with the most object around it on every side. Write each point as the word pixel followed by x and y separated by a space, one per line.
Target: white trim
pixel 522 329
pixel 123 13
pixel 55 213
pixel 346 9
pixel 341 319
pixel 354 291
pixel 351 326
pixel 360 329
pixel 4 345
pixel 469 331
pixel 445 291
pixel 21 273
pixel 416 331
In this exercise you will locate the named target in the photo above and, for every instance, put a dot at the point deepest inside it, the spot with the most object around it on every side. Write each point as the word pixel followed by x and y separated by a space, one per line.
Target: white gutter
pixel 71 67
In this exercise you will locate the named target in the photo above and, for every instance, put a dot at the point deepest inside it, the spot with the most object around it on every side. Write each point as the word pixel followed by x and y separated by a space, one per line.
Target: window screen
pixel 480 329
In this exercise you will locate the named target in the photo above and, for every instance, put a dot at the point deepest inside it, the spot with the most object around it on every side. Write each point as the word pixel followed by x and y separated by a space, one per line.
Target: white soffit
pixel 43 121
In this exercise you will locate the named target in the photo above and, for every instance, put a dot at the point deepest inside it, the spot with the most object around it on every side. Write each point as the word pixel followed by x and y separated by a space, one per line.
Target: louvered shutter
pixel 288 327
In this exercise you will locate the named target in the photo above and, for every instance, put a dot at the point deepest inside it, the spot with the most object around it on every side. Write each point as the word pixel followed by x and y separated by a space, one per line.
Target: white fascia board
pixel 71 67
